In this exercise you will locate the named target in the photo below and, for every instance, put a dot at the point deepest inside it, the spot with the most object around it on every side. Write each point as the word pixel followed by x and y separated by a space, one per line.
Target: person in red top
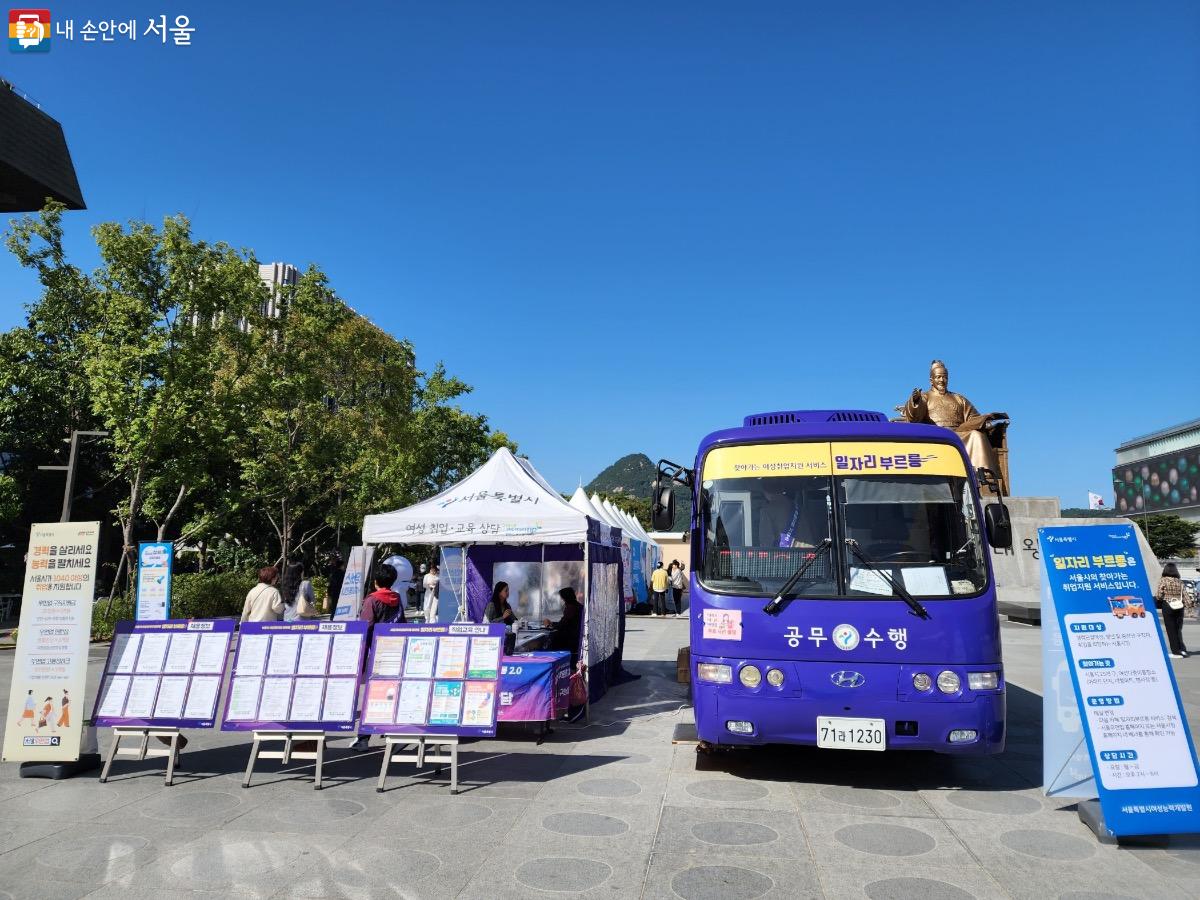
pixel 381 605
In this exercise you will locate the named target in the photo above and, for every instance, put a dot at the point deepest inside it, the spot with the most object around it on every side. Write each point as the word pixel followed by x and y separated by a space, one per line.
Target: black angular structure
pixel 34 160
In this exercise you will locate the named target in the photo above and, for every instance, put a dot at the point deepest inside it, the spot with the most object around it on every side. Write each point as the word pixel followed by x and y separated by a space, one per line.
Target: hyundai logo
pixel 847 679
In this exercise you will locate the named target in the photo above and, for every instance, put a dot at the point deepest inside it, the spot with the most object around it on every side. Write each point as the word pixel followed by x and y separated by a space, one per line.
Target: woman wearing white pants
pixel 430 583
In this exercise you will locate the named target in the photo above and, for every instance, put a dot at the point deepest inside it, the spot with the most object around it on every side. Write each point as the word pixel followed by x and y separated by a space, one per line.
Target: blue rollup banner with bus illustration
pixel 1141 750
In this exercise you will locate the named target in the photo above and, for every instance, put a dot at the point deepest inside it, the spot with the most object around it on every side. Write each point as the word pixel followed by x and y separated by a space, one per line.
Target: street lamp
pixel 69 468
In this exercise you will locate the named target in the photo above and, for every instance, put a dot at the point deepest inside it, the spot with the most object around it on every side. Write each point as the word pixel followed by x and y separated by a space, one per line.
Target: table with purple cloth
pixel 534 687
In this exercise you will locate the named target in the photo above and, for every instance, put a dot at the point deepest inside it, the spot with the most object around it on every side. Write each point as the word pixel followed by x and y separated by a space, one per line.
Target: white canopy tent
pixel 504 501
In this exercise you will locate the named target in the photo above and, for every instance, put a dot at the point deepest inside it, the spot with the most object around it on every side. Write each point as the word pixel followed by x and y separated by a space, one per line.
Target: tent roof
pixel 504 501
pixel 580 501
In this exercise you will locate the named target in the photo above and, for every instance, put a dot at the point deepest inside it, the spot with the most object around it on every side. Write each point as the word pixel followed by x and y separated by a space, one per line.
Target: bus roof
pixel 823 425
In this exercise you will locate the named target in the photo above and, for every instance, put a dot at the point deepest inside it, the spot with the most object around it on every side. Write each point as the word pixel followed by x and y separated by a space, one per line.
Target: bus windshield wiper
pixel 777 602
pixel 917 609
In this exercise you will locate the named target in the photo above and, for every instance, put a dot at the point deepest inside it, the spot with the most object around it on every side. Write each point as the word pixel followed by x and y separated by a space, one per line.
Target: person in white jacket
pixel 430 584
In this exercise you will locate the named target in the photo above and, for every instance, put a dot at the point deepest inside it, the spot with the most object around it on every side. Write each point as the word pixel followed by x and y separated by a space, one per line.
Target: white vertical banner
pixel 47 700
pixel 358 570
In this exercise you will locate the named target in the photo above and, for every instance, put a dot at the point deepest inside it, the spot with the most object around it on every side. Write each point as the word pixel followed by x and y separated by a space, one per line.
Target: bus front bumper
pixel 767 717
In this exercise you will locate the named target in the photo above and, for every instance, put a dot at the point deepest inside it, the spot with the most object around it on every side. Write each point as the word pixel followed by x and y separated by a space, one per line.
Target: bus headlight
pixel 750 676
pixel 714 672
pixel 922 682
pixel 983 681
pixel 774 677
pixel 949 683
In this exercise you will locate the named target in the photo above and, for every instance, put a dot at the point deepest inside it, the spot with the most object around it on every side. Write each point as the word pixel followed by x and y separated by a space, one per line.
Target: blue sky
pixel 629 224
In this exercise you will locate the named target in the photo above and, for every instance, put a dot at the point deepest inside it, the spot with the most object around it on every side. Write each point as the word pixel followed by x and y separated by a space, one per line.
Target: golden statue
pixel 941 406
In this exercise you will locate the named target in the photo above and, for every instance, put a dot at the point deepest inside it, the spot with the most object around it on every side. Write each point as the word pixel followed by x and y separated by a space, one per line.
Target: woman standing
pixel 297 593
pixel 263 603
pixel 1170 601
pixel 430 584
pixel 676 576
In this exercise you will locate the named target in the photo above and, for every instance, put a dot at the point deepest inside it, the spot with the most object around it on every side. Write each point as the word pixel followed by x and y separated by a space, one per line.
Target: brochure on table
pixel 295 676
pixel 164 674
pixel 1142 759
pixel 433 679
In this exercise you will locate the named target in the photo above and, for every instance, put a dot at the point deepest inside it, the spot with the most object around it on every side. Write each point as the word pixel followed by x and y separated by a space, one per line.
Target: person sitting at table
pixel 498 612
pixel 568 629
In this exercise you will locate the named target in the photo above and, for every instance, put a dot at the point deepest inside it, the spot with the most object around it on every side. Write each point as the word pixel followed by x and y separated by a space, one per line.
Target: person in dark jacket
pixel 569 629
pixel 336 574
pixel 383 604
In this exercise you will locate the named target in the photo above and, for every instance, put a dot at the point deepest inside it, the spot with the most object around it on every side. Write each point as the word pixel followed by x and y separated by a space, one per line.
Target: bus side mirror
pixel 999 526
pixel 662 506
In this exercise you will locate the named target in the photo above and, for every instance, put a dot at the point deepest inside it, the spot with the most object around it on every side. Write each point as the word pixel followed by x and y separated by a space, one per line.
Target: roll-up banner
pixel 154 581
pixel 46 702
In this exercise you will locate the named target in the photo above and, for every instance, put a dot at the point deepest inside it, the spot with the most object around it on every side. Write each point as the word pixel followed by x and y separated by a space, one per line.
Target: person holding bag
pixel 1169 597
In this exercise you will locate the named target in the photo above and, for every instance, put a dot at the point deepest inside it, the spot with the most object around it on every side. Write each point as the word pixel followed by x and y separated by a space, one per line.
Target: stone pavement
pixel 607 810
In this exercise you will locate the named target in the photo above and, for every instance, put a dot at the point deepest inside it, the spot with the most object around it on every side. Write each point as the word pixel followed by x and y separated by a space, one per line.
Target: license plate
pixel 835 733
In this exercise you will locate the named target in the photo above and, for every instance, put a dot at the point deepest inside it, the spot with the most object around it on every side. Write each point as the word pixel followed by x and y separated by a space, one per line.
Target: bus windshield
pixel 921 530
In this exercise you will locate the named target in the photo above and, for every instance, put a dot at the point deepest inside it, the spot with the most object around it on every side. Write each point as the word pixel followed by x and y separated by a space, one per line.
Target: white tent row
pixel 504 501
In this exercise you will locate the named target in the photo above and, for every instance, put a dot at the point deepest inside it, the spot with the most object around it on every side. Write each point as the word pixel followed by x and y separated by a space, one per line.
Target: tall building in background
pixel 34 161
pixel 1160 472
pixel 276 276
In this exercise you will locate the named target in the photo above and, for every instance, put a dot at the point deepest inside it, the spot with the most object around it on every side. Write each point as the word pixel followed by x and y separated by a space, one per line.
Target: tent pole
pixel 462 597
pixel 583 653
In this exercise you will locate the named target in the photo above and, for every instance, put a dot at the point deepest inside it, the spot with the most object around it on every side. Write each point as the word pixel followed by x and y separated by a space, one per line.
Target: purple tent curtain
pixel 483 558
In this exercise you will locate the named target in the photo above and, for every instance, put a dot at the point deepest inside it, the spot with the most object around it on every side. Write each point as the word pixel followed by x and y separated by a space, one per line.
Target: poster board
pixel 50 664
pixel 350 597
pixel 155 562
pixel 1143 762
pixel 433 679
pixel 295 676
pixel 164 674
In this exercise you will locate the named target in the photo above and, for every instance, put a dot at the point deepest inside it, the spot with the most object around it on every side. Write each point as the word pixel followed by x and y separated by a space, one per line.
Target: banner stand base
pixel 1091 815
pixel 87 762
pixel 394 742
pixel 288 753
pixel 144 750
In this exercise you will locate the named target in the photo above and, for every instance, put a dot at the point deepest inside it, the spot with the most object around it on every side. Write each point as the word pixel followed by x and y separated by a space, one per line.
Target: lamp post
pixel 69 468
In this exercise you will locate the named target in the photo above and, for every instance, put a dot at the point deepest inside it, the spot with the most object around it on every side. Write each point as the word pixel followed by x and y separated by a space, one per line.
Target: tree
pixel 45 394
pixel 1169 535
pixel 169 312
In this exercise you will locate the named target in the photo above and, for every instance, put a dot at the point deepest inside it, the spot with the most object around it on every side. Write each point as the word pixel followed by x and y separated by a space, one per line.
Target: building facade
pixel 1159 473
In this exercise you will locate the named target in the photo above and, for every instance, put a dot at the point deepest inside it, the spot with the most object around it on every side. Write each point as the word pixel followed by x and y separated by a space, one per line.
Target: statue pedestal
pixel 1018 571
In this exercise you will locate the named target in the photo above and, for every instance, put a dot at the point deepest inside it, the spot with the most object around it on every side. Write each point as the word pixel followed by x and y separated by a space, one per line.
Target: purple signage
pixel 433 679
pixel 295 676
pixel 534 687
pixel 164 674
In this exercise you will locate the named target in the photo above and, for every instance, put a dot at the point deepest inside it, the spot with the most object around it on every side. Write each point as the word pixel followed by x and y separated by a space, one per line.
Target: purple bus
pixel 841 591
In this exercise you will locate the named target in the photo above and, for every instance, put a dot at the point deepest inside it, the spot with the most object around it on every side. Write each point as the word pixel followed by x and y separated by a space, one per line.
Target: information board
pixel 164 674
pixel 49 679
pixel 433 679
pixel 1143 760
pixel 295 676
pixel 154 581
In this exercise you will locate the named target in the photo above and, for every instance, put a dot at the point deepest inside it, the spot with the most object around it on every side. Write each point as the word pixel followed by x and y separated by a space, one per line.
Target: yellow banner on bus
pixel 837 458
pixel 768 460
pixel 891 458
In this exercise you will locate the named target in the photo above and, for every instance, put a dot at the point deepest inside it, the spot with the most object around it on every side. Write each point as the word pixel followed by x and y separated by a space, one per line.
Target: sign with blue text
pixel 1141 751
pixel 154 581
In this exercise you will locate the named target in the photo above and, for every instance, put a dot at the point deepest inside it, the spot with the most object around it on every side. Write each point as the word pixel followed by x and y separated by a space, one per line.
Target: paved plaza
pixel 612 809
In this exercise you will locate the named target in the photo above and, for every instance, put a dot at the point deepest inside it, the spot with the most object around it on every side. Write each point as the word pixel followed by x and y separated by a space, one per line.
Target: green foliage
pixel 10 499
pixel 1169 536
pixel 626 483
pixel 250 435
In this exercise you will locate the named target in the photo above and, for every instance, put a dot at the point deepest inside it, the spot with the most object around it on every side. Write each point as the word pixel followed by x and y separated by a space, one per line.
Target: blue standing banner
pixel 1143 761
pixel 155 560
